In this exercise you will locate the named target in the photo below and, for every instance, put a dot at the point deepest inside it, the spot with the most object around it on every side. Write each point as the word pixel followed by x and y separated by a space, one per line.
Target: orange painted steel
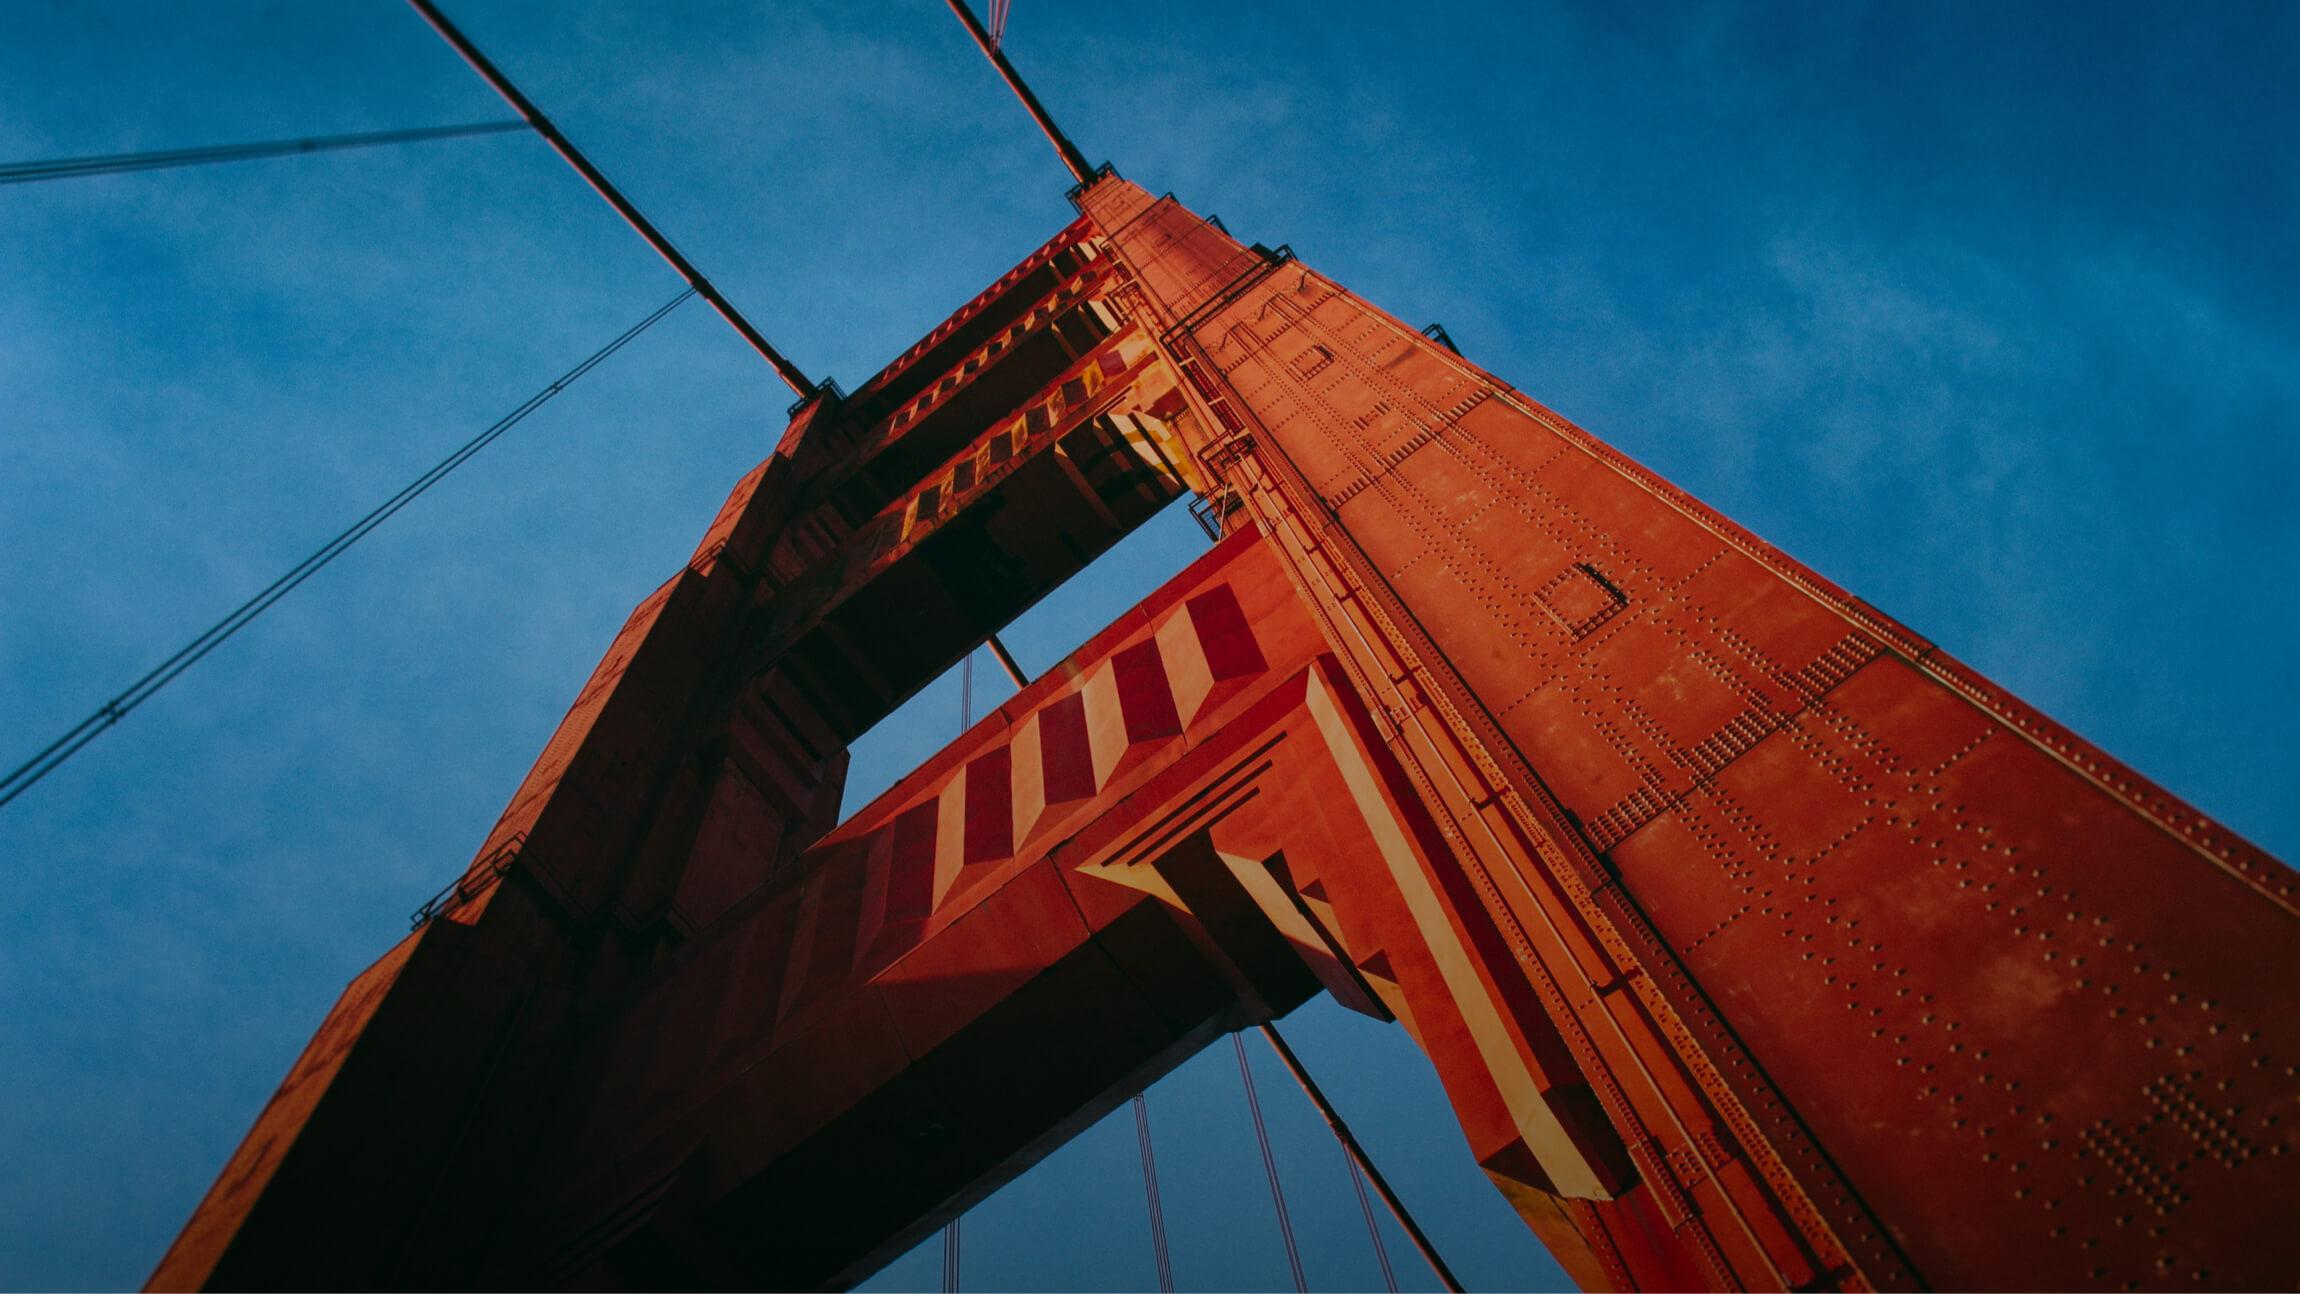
pixel 1756 943
pixel 1875 974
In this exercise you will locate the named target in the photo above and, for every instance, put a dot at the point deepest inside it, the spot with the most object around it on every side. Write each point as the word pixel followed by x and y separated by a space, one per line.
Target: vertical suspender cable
pixel 1373 1228
pixel 1354 1155
pixel 1358 1159
pixel 1270 1166
pixel 950 1232
pixel 1150 1196
pixel 1360 1163
pixel 574 157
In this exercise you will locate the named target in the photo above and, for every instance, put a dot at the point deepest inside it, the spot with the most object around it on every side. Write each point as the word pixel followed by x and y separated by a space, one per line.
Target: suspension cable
pixel 1373 1228
pixel 1359 1163
pixel 1354 1155
pixel 24 775
pixel 1157 1207
pixel 573 156
pixel 1362 1163
pixel 1270 1166
pixel 70 168
pixel 950 1232
pixel 1073 160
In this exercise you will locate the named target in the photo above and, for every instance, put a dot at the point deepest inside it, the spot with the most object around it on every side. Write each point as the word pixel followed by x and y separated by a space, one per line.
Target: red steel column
pixel 1878 975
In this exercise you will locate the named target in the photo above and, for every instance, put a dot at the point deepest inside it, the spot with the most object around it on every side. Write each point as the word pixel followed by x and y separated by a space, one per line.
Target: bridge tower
pixel 1756 942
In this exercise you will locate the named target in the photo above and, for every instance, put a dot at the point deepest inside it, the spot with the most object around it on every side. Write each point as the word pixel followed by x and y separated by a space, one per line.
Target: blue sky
pixel 1989 312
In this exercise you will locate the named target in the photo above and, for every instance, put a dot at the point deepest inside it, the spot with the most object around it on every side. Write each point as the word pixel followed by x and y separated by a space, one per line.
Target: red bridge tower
pixel 1757 943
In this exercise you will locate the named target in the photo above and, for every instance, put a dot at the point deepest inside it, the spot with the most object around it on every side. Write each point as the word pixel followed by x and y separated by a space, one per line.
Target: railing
pixel 1072 236
pixel 1103 172
pixel 1212 511
pixel 828 391
pixel 1265 261
pixel 475 881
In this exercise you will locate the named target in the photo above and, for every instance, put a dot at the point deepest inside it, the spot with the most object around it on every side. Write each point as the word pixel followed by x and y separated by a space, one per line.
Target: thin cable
pixel 1361 1162
pixel 111 712
pixel 1150 1194
pixel 1270 1166
pixel 950 1234
pixel 1373 1228
pixel 70 168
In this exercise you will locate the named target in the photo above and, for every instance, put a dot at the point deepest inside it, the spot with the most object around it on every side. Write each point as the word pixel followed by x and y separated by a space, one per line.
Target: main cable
pixel 1373 1228
pixel 1361 1163
pixel 69 168
pixel 25 775
pixel 1072 160
pixel 790 373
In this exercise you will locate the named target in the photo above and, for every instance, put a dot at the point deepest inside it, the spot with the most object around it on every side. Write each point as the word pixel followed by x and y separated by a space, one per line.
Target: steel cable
pixel 1270 1166
pixel 25 775
pixel 950 1231
pixel 69 168
pixel 1373 1228
pixel 1156 1206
